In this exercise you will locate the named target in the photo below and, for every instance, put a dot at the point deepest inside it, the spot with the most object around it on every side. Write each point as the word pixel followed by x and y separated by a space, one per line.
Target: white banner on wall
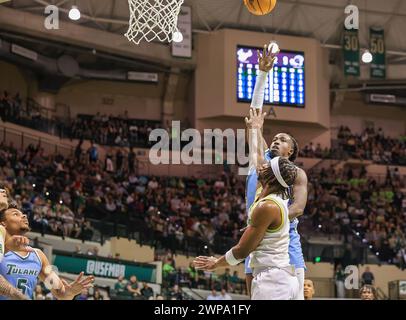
pixel 26 53
pixel 142 76
pixel 184 49
pixel 402 288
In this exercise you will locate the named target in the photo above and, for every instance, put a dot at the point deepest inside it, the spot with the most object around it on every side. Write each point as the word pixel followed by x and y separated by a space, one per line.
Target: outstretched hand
pixel 18 243
pixel 205 263
pixel 266 60
pixel 256 119
pixel 74 288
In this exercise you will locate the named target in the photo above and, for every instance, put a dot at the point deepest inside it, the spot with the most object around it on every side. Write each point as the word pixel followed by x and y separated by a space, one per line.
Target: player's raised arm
pixel 61 289
pixel 254 123
pixel 264 215
pixel 266 61
pixel 299 195
pixel 257 145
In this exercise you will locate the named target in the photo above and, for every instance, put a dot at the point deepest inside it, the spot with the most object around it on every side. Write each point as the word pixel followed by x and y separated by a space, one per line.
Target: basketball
pixel 260 7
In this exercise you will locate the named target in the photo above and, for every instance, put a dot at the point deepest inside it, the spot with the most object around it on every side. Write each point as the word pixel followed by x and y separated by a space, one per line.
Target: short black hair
pixel 12 205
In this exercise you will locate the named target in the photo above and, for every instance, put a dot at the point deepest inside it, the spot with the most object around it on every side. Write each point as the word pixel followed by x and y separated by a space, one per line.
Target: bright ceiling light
pixel 74 13
pixel 367 57
pixel 177 36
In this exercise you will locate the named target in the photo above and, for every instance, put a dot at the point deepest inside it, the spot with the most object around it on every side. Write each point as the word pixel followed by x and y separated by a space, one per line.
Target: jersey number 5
pixel 22 285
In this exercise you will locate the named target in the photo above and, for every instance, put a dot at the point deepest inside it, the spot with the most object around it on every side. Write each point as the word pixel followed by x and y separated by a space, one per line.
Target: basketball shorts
pixel 275 284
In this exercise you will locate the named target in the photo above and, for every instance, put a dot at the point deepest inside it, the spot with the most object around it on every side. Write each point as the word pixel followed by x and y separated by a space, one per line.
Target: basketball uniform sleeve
pixel 259 90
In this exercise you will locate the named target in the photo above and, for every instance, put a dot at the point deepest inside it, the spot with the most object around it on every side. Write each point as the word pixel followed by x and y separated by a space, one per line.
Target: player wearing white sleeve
pixel 266 62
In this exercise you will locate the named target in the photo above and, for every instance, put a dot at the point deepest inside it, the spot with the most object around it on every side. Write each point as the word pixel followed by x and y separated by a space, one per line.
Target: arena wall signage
pixel 104 267
pixel 378 50
pixel 183 48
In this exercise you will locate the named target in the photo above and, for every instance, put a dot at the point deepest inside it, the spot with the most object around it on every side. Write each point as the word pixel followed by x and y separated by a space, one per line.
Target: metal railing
pixel 22 139
pixel 380 294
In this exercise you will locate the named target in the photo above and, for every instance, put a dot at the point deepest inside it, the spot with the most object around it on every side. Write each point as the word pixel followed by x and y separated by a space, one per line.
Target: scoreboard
pixel 285 84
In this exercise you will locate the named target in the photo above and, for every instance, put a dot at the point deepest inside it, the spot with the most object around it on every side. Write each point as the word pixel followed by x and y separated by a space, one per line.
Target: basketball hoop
pixel 153 19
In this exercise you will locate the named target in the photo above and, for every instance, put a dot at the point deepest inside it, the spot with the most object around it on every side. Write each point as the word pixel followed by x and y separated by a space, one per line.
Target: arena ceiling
pixel 320 19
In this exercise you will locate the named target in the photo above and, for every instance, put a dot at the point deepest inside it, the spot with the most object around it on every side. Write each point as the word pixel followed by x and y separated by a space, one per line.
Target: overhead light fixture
pixel 74 13
pixel 177 36
pixel 367 57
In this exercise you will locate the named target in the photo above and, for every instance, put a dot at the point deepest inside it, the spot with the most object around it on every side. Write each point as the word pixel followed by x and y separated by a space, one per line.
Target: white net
pixel 153 19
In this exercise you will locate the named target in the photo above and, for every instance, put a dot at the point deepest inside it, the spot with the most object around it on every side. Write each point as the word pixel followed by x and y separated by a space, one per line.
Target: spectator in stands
pixel 146 291
pixel 192 272
pixel 369 145
pixel 133 288
pixel 78 249
pixel 38 294
pixel 4 105
pixel 201 280
pixel 87 231
pixel 339 279
pixel 341 201
pixel 401 258
pixel 132 158
pixel 168 271
pixel 175 293
pixel 119 160
pixel 224 295
pixel 213 295
pixel 368 277
pixel 84 295
pixel 108 164
pixel 78 151
pixel 235 281
pixel 308 289
pixel 93 153
pixel 368 292
pixel 121 286
pixel 225 278
pixel 96 294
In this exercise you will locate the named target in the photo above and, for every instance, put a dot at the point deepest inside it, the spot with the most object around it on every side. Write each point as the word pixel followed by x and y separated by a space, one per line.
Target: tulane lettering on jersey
pixel 21 272
pixel 13 269
pixel 295 247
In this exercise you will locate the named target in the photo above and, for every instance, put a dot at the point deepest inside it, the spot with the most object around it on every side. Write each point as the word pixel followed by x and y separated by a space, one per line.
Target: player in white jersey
pixel 266 237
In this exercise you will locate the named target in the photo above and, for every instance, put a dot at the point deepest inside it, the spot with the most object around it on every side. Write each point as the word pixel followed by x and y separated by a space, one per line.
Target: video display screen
pixel 285 83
